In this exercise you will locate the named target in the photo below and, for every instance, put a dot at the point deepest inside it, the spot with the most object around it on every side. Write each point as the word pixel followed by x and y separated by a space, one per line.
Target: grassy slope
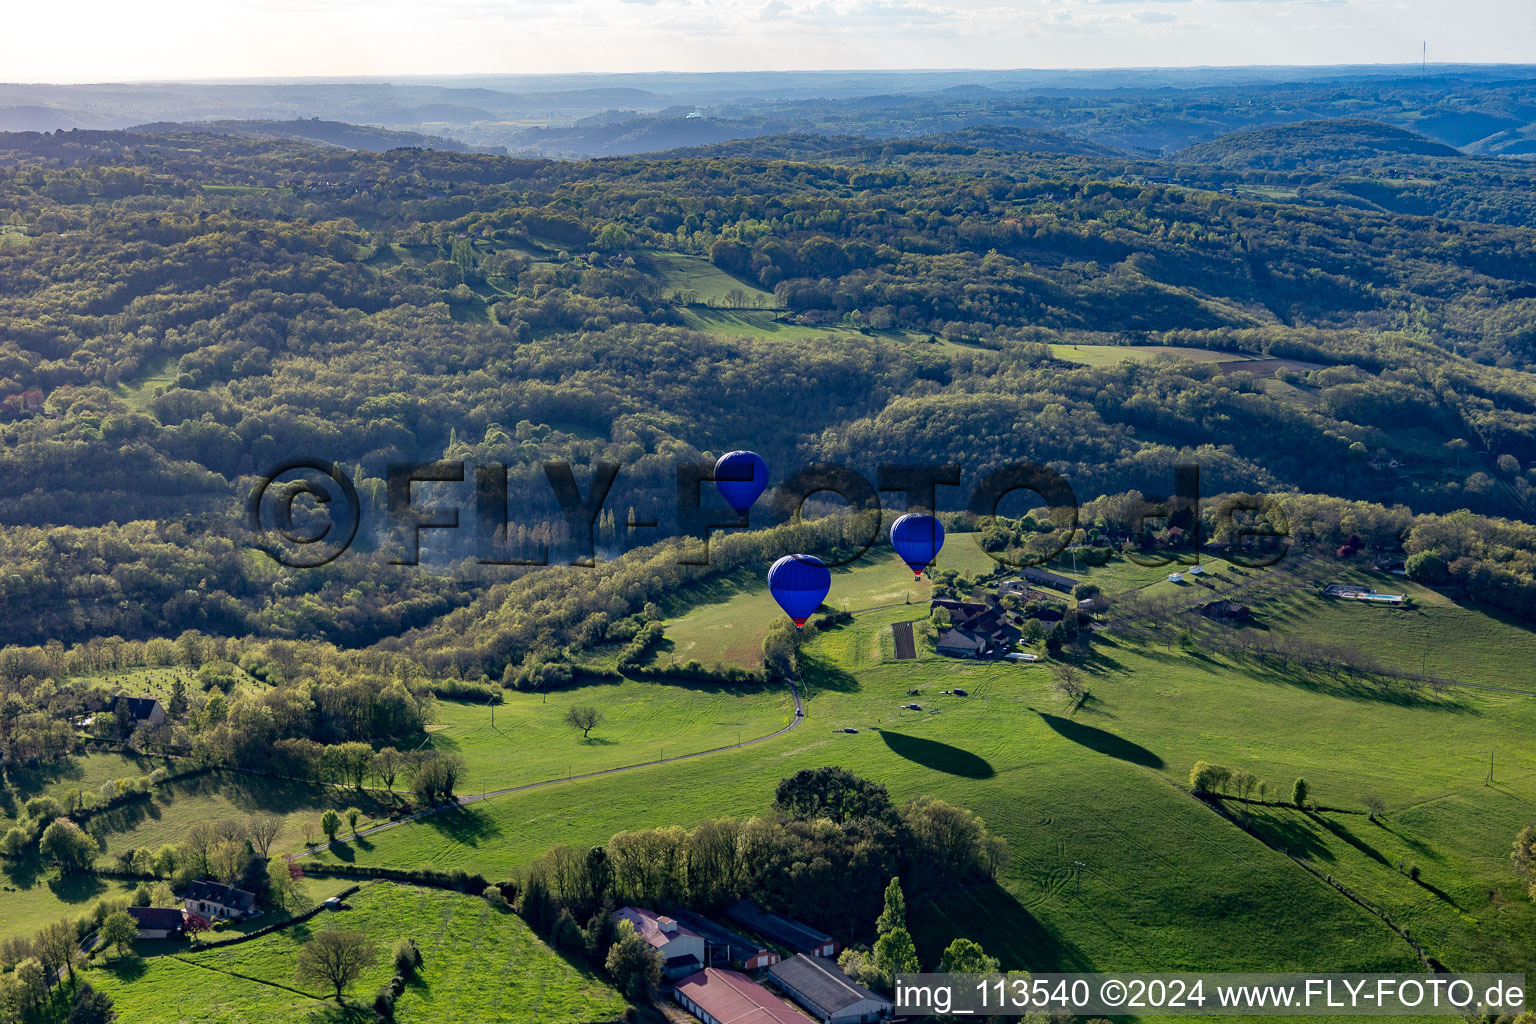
pixel 40 896
pixel 464 942
pixel 682 272
pixel 158 681
pixel 1096 787
pixel 1113 355
pixel 530 741
pixel 757 323
pixel 86 772
pixel 1191 891
pixel 48 898
pixel 726 619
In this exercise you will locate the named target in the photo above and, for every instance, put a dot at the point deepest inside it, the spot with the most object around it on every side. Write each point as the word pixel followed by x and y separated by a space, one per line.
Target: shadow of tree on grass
pixel 941 757
pixel 1102 741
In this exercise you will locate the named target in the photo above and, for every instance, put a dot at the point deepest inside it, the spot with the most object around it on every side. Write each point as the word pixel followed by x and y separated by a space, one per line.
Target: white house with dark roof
pixel 213 901
pixel 680 949
pixel 827 993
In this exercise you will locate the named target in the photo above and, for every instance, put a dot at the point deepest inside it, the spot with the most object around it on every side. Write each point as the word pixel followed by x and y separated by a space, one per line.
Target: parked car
pixel 961 693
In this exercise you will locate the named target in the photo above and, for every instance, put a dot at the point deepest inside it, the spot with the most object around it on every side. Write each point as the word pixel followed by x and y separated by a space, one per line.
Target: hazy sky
pixel 108 40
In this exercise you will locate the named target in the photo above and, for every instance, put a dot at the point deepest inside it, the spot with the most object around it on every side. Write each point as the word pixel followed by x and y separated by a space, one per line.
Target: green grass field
pixel 641 721
pixel 478 964
pixel 1167 881
pixel 1113 355
pixel 725 619
pixel 86 772
pixel 762 323
pixel 49 898
pixel 41 896
pixel 156 681
pixel 685 273
pixel 227 795
pixel 141 388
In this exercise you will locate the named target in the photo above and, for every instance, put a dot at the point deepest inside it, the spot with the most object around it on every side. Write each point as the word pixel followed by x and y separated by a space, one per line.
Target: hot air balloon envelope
pixel 799 583
pixel 917 538
pixel 740 478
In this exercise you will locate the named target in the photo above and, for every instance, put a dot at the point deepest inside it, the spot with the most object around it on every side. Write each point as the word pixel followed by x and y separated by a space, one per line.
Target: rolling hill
pixel 1312 145
pixel 326 133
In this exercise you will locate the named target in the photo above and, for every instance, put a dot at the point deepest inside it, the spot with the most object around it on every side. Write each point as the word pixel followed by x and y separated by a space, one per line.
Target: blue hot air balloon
pixel 741 477
pixel 799 583
pixel 917 538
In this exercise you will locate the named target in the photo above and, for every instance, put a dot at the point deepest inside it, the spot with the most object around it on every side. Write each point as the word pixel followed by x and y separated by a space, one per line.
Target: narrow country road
pixel 464 801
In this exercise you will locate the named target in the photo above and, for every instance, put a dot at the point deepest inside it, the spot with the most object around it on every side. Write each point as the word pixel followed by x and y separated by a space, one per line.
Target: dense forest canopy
pixel 182 310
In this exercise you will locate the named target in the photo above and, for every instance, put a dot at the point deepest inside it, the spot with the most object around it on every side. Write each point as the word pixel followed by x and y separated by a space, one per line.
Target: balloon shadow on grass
pixel 941 757
pixel 1101 741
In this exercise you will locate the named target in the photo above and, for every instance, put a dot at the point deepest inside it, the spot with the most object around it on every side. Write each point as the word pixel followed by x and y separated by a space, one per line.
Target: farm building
pixel 827 993
pixel 1226 611
pixel 157 922
pixel 215 902
pixel 958 610
pixel 1055 581
pixel 1019 589
pixel 718 996
pixel 976 630
pixel 721 945
pixel 960 643
pixel 1351 592
pixel 681 949
pixel 790 934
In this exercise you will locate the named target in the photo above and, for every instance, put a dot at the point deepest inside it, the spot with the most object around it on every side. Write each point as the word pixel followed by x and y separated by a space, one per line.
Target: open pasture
pixel 478 963
pixel 1165 879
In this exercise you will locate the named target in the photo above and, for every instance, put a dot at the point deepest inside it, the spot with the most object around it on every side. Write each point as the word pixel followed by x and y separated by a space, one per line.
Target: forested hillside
pixel 1335 322
pixel 182 311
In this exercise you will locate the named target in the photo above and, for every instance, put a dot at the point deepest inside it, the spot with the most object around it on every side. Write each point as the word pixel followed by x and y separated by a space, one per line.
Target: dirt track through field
pixel 906 649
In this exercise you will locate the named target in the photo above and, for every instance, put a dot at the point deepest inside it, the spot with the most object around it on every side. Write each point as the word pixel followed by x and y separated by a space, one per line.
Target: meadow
pixel 157 681
pixel 642 720
pixel 765 323
pixel 1113 355
pixel 38 895
pixel 726 618
pixel 87 772
pixel 1115 864
pixel 464 942
pixel 685 273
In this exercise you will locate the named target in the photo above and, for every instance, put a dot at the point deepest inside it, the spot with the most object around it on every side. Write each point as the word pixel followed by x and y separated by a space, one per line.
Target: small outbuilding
pixel 158 922
pixel 1226 611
